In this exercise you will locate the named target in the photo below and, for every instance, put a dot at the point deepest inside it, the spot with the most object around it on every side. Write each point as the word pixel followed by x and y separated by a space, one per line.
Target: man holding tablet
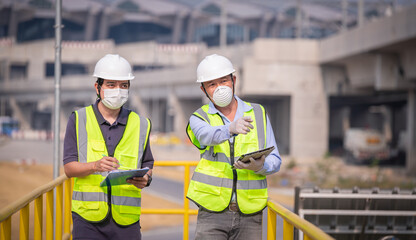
pixel 104 137
pixel 230 194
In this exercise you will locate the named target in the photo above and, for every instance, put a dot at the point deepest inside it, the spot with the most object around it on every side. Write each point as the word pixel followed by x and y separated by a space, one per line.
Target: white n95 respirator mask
pixel 115 98
pixel 222 96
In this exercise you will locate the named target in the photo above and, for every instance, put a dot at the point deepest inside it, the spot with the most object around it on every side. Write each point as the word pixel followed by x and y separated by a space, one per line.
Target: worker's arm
pixel 208 135
pixel 77 169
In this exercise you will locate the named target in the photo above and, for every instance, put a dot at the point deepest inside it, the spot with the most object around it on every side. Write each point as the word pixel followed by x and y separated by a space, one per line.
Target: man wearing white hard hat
pixel 231 194
pixel 104 137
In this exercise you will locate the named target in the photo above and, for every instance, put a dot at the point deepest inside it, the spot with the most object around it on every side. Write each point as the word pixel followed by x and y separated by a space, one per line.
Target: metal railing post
pixel 58 213
pixel 67 208
pixel 271 224
pixel 24 223
pixel 287 230
pixel 38 218
pixel 186 204
pixel 6 229
pixel 49 215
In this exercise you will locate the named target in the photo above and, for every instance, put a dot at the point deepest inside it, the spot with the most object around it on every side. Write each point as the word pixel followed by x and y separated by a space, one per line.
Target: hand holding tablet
pixel 245 158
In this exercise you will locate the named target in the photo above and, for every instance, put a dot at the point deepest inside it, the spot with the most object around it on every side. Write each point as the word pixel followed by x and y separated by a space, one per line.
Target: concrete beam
pixel 361 70
pixel 378 71
pixel 371 36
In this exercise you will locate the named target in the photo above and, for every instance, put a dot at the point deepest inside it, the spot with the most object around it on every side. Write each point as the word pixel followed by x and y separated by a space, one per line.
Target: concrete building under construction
pixel 319 67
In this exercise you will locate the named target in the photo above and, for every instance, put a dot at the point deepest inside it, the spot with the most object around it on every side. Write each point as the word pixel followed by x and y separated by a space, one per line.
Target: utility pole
pixel 56 133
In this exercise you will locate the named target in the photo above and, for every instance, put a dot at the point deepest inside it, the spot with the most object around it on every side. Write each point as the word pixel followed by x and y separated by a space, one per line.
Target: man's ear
pixel 234 80
pixel 204 91
pixel 96 89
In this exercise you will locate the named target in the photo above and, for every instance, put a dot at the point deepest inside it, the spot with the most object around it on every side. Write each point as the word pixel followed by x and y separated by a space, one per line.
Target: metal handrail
pixel 185 211
pixel 37 196
pixel 290 220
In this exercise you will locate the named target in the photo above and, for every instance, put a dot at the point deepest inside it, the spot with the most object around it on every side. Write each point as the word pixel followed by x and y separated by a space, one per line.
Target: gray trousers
pixel 228 225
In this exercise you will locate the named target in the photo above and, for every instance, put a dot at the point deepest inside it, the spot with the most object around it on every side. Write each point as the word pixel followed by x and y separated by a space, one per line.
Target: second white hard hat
pixel 212 67
pixel 113 67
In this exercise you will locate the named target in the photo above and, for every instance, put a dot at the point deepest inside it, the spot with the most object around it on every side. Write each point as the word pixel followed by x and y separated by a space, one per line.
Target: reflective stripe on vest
pixel 212 182
pixel 90 200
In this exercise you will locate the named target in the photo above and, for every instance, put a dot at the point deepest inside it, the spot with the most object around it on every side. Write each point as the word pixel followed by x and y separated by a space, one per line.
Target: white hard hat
pixel 212 67
pixel 113 67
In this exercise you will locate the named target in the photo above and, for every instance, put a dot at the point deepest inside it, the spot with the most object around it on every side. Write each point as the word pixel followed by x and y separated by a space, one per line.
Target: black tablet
pixel 256 154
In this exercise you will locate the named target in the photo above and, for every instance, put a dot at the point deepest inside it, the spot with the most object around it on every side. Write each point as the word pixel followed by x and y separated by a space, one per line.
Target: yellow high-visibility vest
pixel 90 200
pixel 214 179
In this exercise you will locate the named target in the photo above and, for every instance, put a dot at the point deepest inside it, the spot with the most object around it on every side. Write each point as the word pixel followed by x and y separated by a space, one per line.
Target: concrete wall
pixel 280 67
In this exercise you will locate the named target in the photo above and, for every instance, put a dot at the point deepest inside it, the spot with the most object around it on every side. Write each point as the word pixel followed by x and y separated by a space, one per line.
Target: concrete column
pixel 2 107
pixel 177 27
pixel 360 13
pixel 13 22
pixel 298 19
pixel 180 121
pixel 246 34
pixel 344 15
pixel 19 115
pixel 264 24
pixel 103 32
pixel 274 31
pixel 5 68
pixel 223 24
pixel 138 103
pixel 394 6
pixel 90 25
pixel 190 29
pixel 411 130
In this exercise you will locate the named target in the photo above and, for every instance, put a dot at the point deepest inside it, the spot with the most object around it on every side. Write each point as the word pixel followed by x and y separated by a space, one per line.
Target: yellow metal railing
pixel 64 186
pixel 185 211
pixel 290 221
pixel 36 196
